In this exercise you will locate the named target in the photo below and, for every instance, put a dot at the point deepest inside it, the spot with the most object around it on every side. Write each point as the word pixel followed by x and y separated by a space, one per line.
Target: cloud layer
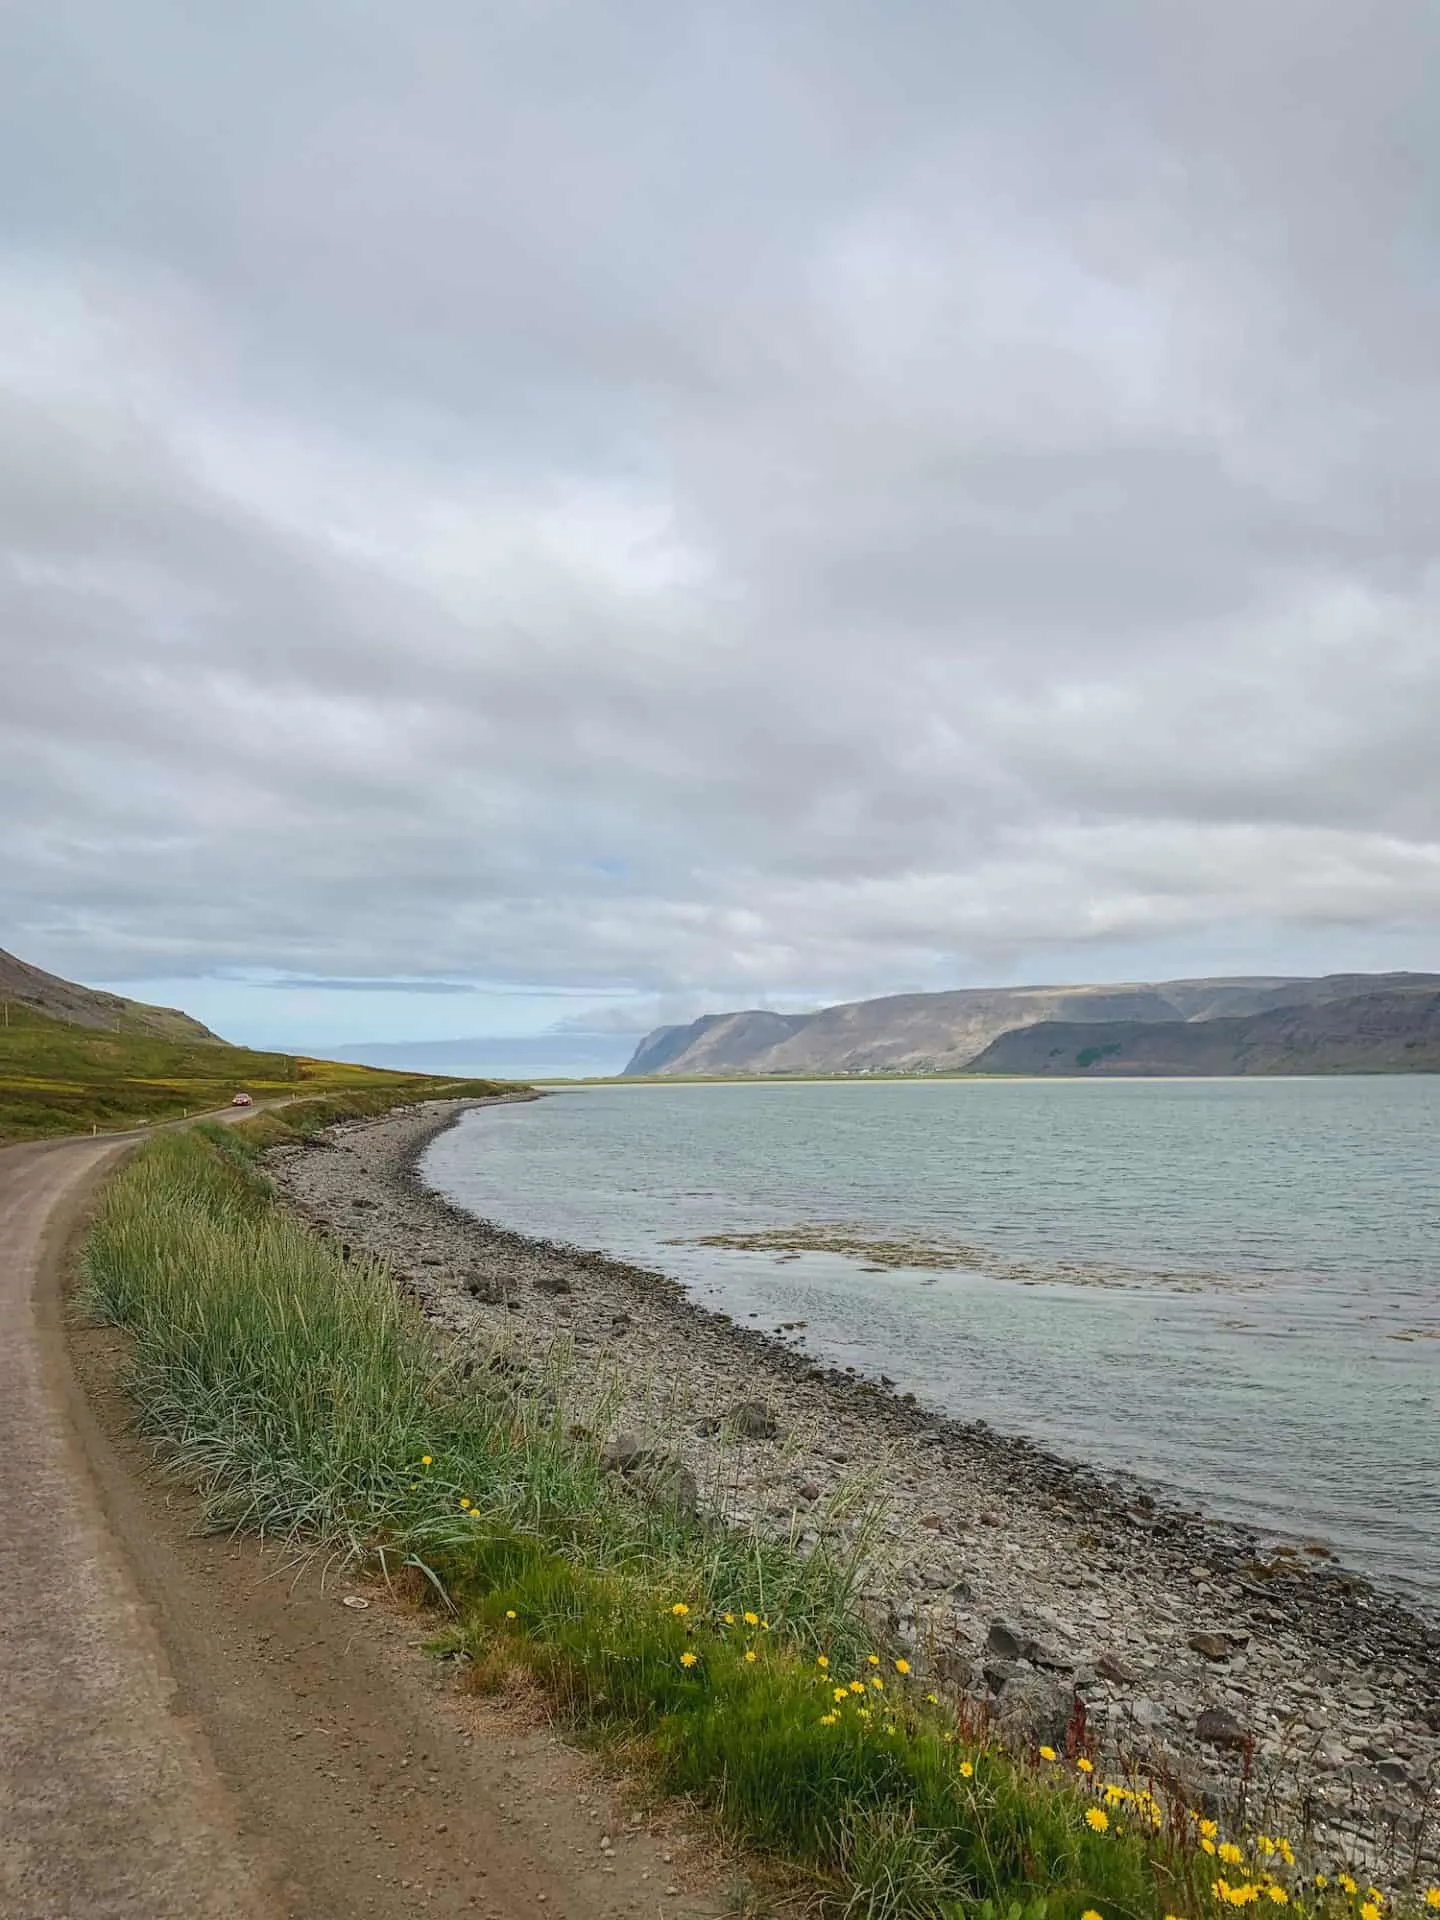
pixel 718 504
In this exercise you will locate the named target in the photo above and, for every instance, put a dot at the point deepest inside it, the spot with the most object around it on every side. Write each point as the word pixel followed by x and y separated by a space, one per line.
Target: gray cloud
pixel 779 502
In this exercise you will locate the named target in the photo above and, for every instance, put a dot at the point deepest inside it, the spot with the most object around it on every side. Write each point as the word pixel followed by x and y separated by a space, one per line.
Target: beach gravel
pixel 1199 1653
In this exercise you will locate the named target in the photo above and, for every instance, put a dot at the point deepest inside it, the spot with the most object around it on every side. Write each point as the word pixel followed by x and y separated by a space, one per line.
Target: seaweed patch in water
pixel 877 1252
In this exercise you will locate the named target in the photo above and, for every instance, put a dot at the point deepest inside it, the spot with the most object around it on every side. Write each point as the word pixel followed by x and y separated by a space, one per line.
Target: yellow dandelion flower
pixel 1370 1910
pixel 873 1658
pixel 750 1655
pixel 1432 1898
pixel 841 1693
pixel 729 1619
pixel 877 1683
pixel 822 1661
pixel 966 1770
pixel 857 1686
pixel 1374 1893
pixel 1207 1846
pixel 688 1659
pixel 1090 1914
pixel 1230 1853
pixel 752 1619
pixel 1047 1753
pixel 828 1719
pixel 1347 1883
pixel 1096 1819
pixel 1285 1851
pixel 1278 1895
pixel 511 1614
pixel 426 1461
pixel 464 1506
pixel 1265 1844
pixel 1209 1829
pixel 1322 1879
pixel 902 1666
pixel 680 1609
pixel 1085 1766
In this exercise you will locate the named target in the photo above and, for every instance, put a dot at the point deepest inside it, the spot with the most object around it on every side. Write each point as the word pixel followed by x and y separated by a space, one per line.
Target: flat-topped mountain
pixel 24 986
pixel 987 1029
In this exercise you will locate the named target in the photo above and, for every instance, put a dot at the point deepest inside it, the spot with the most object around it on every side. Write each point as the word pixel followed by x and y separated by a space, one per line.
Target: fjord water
pixel 1229 1287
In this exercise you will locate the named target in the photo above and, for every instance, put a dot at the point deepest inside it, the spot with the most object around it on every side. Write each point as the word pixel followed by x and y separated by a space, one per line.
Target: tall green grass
pixel 305 1398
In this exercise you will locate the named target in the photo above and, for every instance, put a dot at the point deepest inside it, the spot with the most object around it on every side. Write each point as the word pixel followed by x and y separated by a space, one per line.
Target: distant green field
pixel 56 1078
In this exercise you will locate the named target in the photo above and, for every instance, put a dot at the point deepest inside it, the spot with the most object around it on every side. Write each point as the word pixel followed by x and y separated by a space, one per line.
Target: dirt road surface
pixel 191 1731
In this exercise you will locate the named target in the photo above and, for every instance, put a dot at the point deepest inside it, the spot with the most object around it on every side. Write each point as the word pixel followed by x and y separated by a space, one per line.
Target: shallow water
pixel 1229 1287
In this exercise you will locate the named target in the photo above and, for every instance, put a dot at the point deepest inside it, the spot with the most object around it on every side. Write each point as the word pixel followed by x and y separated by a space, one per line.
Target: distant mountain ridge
pixel 22 985
pixel 992 1029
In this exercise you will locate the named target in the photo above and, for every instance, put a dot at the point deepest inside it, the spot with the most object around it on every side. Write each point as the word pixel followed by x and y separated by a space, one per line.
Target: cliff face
pixel 987 1028
pixel 31 987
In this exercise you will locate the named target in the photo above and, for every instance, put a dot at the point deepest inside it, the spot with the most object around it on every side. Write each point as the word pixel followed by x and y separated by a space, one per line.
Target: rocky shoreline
pixel 1198 1655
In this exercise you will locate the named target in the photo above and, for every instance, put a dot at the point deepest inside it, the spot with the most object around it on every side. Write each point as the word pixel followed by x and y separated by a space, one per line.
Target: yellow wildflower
pixel 1322 1879
pixel 873 1658
pixel 841 1693
pixel 1347 1883
pixel 750 1655
pixel 1285 1851
pixel 1265 1844
pixel 966 1770
pixel 933 1698
pixel 902 1666
pixel 1096 1819
pixel 1085 1766
pixel 1370 1911
pixel 857 1686
pixel 1047 1753
pixel 828 1719
pixel 729 1619
pixel 464 1506
pixel 1230 1853
pixel 1090 1914
pixel 1209 1829
pixel 426 1461
pixel 510 1614
pixel 687 1659
pixel 877 1683
pixel 1432 1898
pixel 680 1609
pixel 1278 1895
pixel 752 1619
pixel 1207 1846
pixel 822 1661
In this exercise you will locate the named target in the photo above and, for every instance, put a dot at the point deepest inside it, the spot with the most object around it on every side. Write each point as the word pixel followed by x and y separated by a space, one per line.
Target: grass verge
pixel 304 1397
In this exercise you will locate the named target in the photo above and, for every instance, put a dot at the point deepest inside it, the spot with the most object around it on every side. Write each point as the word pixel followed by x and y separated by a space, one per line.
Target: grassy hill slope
pixel 57 1078
pixel 27 989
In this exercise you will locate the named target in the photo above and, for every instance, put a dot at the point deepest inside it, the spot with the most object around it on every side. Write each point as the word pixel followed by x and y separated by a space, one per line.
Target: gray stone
pixel 1219 1728
pixel 752 1420
pixel 1214 1646
pixel 1035 1711
pixel 1006 1641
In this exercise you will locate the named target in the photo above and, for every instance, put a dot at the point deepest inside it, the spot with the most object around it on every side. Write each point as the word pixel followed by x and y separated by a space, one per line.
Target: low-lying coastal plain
pixel 1194 1653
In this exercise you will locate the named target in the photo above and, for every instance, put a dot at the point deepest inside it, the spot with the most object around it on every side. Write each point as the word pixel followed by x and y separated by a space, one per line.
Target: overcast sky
pixel 610 510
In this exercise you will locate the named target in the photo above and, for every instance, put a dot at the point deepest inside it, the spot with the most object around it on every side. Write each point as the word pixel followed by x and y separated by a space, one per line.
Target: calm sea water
pixel 1230 1287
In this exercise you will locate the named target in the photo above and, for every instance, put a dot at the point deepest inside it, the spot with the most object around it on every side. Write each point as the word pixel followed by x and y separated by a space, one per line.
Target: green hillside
pixel 58 1078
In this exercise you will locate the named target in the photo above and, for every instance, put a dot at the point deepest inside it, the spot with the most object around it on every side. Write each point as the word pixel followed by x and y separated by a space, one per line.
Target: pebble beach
pixel 1195 1654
